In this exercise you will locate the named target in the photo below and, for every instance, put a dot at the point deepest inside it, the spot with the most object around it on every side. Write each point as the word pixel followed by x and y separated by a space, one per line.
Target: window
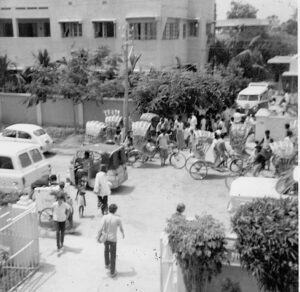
pixel 34 27
pixel 193 28
pixel 143 30
pixel 105 29
pixel 171 31
pixel 71 29
pixel 9 133
pixel 253 98
pixel 6 163
pixel 39 132
pixel 243 97
pixel 184 31
pixel 6 28
pixel 25 160
pixel 23 135
pixel 35 155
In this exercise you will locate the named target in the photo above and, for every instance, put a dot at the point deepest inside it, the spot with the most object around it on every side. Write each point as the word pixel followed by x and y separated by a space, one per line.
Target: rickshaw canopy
pixel 149 117
pixel 140 128
pixel 113 121
pixel 94 128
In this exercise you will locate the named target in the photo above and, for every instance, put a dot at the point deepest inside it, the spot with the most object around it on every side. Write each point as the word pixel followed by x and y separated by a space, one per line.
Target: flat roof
pixel 100 147
pixel 280 60
pixel 241 22
pixel 290 73
pixel 254 90
pixel 8 147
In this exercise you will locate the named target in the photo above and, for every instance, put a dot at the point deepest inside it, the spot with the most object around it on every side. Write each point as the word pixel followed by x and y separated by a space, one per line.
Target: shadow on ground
pixel 43 274
pixel 123 190
pixel 49 154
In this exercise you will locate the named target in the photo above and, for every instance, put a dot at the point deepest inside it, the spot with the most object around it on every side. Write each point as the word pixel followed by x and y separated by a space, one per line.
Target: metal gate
pixel 19 238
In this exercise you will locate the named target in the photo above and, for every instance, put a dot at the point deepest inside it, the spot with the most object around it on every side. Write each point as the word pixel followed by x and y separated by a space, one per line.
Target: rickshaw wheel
pixel 46 219
pixel 198 170
pixel 177 160
pixel 189 161
pixel 236 165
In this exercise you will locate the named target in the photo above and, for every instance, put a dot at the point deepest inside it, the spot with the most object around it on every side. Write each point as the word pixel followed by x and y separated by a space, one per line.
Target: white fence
pixel 19 236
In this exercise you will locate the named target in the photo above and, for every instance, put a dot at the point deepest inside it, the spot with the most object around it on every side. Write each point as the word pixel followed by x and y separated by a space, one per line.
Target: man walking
pixel 110 224
pixel 102 188
pixel 60 213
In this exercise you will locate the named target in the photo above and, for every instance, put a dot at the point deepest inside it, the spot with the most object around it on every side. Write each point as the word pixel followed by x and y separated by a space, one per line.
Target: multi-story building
pixel 161 30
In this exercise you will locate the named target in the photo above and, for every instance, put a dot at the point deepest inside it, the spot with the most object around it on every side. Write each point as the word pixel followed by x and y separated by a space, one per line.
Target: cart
pixel 284 156
pixel 142 134
pixel 44 198
pixel 203 153
pixel 95 132
pixel 113 120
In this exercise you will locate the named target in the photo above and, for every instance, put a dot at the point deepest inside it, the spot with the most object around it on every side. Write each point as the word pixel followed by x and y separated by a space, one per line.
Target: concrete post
pixel 39 116
pixel 80 115
pixel 1 119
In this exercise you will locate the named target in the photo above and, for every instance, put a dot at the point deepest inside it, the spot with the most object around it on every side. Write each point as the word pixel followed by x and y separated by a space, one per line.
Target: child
pixel 80 198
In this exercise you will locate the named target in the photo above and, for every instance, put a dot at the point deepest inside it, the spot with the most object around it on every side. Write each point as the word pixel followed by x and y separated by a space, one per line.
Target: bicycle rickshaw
pixel 95 132
pixel 284 156
pixel 140 154
pixel 44 198
pixel 113 120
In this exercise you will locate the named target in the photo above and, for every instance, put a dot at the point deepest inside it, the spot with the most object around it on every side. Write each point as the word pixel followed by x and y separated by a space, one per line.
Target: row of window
pixel 25 159
pixel 105 29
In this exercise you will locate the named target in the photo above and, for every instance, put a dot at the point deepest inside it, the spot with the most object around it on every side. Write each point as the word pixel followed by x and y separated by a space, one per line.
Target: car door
pixel 28 169
pixel 41 165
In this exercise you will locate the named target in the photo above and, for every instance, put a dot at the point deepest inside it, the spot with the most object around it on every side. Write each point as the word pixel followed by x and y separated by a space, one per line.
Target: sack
pixel 102 236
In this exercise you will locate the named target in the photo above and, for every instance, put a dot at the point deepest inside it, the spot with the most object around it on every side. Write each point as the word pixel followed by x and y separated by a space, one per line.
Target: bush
pixel 267 240
pixel 229 286
pixel 199 246
pixel 9 198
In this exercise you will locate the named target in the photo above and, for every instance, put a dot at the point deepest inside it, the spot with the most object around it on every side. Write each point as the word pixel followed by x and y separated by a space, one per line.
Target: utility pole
pixel 126 85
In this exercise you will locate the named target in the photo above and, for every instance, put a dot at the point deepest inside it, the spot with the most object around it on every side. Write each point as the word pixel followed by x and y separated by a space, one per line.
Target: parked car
pixel 245 189
pixel 28 133
pixel 21 164
pixel 88 159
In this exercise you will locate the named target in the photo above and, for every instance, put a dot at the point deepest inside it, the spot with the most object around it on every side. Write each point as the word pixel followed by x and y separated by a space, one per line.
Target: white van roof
pixel 254 90
pixel 8 148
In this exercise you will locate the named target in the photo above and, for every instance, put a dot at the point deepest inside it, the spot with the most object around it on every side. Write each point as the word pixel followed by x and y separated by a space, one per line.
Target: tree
pixel 43 58
pixel 267 241
pixel 240 10
pixel 291 26
pixel 199 246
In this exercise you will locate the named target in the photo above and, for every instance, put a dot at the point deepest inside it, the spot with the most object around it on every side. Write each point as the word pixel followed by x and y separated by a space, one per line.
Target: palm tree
pixel 43 58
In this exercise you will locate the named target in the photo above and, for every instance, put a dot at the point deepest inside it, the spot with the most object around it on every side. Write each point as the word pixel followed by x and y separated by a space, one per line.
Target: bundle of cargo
pixel 284 154
pixel 238 136
pixel 203 141
pixel 95 132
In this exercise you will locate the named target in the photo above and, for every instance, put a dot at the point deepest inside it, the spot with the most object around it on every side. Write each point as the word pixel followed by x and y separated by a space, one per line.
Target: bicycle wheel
pixel 134 157
pixel 198 170
pixel 236 165
pixel 189 161
pixel 177 160
pixel 45 218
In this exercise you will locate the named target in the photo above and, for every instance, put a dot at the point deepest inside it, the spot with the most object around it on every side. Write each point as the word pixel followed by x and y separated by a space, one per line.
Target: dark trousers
pixel 102 203
pixel 60 233
pixel 110 250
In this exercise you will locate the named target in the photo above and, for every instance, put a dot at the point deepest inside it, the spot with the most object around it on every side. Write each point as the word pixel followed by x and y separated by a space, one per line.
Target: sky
pixel 282 8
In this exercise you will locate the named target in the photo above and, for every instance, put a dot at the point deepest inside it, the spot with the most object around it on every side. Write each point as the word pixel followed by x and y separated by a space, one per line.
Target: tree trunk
pixel 74 118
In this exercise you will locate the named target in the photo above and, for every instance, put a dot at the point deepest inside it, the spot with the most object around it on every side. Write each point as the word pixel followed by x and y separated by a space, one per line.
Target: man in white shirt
pixel 110 224
pixel 193 122
pixel 102 188
pixel 60 211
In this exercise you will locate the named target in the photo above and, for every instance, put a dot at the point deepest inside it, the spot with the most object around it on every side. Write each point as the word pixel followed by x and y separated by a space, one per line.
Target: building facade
pixel 163 31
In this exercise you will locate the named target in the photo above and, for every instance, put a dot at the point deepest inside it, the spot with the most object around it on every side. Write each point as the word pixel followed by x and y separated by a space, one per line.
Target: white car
pixel 245 189
pixel 28 133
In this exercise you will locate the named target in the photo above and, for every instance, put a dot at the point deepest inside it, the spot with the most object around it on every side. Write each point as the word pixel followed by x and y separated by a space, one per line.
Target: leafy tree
pixel 43 58
pixel 267 240
pixel 200 250
pixel 240 10
pixel 291 26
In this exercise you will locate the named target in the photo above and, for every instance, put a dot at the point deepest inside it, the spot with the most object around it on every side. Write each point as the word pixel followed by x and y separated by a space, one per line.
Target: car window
pixel 253 98
pixel 35 155
pixel 39 132
pixel 24 159
pixel 243 97
pixel 6 163
pixel 23 135
pixel 9 133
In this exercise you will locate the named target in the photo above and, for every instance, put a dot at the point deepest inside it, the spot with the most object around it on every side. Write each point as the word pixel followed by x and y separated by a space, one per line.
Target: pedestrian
pixel 110 224
pixel 193 121
pixel 159 126
pixel 186 134
pixel 102 188
pixel 179 210
pixel 117 137
pixel 203 123
pixel 163 141
pixel 60 211
pixel 179 133
pixel 80 199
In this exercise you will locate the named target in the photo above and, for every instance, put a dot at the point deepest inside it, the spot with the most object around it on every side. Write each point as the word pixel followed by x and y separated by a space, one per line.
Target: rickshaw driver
pixel 82 167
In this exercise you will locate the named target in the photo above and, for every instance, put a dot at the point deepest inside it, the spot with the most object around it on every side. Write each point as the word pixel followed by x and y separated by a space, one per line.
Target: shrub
pixel 267 240
pixel 199 246
pixel 229 286
pixel 9 198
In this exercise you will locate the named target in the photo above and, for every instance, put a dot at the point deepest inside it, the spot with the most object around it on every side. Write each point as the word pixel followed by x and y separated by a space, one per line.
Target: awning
pixel 290 73
pixel 141 15
pixel 70 20
pixel 104 20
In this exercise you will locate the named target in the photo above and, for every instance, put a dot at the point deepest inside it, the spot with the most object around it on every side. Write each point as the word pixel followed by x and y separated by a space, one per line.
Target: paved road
pixel 145 201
